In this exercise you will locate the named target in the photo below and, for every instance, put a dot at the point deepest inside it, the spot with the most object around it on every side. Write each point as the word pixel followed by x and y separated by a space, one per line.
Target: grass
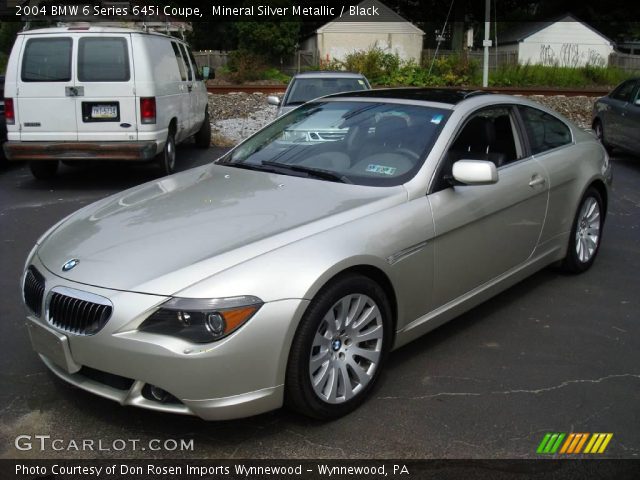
pixel 554 76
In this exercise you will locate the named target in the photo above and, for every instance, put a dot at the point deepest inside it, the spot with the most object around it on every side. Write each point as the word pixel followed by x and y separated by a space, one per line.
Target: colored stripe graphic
pixel 573 443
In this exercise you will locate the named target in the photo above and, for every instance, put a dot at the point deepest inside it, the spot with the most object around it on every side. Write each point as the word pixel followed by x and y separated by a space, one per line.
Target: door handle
pixel 189 87
pixel 536 180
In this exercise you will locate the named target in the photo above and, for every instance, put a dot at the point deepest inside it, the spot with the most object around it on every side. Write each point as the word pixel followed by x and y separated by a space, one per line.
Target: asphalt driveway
pixel 555 353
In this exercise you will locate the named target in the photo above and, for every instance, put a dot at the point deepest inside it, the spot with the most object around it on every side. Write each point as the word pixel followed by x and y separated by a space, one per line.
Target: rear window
pixel 103 60
pixel 47 60
pixel 545 131
pixel 180 60
pixel 305 89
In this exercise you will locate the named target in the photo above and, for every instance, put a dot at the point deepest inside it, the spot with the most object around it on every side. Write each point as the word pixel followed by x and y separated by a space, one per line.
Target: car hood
pixel 166 235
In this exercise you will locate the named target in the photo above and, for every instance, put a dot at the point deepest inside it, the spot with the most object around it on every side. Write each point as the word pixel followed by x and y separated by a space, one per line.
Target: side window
pixel 545 131
pixel 47 60
pixel 181 66
pixel 195 65
pixel 103 59
pixel 487 135
pixel 623 92
pixel 185 57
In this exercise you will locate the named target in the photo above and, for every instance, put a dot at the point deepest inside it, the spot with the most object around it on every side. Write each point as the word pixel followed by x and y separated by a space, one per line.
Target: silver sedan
pixel 287 270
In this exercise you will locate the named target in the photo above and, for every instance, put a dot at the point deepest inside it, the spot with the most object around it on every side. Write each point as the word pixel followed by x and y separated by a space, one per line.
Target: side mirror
pixel 208 73
pixel 475 172
pixel 637 102
pixel 273 100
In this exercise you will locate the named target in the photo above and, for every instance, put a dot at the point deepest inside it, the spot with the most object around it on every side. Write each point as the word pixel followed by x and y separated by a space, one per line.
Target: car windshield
pixel 365 143
pixel 304 89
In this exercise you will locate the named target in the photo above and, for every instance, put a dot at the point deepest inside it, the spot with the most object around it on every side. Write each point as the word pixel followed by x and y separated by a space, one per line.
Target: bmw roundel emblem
pixel 70 264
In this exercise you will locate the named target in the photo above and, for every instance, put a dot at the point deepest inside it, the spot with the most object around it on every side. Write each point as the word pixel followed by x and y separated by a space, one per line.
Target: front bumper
pixel 133 151
pixel 239 376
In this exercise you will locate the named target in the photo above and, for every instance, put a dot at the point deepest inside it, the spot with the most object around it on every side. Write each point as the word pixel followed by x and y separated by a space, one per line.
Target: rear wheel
pixel 44 170
pixel 203 136
pixel 599 131
pixel 586 233
pixel 167 158
pixel 339 348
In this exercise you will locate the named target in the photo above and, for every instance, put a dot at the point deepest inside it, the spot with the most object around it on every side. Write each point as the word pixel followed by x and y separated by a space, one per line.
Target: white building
pixel 388 31
pixel 566 42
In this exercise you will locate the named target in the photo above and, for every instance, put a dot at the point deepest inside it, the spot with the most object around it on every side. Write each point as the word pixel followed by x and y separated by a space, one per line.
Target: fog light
pixel 215 324
pixel 158 394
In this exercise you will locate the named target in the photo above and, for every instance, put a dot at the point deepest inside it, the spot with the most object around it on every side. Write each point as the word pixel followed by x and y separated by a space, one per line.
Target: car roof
pixel 328 73
pixel 437 95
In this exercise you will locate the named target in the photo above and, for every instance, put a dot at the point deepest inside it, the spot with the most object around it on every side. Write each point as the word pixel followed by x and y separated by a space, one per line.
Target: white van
pixel 88 92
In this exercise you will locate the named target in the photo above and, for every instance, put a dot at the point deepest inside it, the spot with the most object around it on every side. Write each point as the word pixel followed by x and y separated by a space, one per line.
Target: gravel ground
pixel 235 116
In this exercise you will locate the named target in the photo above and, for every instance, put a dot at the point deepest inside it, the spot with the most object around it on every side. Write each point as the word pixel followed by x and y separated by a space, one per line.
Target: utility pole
pixel 486 43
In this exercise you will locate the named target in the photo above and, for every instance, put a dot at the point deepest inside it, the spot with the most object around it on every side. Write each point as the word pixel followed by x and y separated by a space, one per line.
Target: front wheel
pixel 599 131
pixel 586 233
pixel 44 170
pixel 203 136
pixel 339 348
pixel 167 158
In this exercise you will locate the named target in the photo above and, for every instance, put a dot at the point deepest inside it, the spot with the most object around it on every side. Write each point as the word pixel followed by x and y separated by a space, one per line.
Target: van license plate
pixel 104 111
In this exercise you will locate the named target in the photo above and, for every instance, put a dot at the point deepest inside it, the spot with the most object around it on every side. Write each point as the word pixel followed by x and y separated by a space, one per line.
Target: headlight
pixel 201 320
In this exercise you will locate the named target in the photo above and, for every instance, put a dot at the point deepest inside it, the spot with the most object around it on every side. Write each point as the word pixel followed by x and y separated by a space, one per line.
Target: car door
pixel 105 86
pixel 614 118
pixel 45 99
pixel 630 122
pixel 485 231
pixel 182 97
pixel 198 92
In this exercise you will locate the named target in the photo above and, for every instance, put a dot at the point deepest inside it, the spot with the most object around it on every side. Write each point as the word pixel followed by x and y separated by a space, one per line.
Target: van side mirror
pixel 208 73
pixel 273 100
pixel 475 172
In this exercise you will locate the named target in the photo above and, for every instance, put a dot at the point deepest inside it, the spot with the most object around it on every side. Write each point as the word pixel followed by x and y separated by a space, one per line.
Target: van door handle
pixel 74 91
pixel 190 87
pixel 536 180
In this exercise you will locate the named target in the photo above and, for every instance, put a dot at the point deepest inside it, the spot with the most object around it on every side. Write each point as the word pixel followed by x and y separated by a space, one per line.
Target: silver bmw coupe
pixel 284 272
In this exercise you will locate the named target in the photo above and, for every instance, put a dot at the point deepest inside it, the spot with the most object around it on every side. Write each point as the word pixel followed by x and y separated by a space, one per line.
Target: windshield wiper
pixel 310 171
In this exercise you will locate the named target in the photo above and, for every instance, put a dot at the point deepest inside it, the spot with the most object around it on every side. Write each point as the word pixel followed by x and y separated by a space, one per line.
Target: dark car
pixel 616 117
pixel 3 125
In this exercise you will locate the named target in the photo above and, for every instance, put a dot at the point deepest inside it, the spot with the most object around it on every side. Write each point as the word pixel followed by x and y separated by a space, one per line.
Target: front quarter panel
pixel 395 241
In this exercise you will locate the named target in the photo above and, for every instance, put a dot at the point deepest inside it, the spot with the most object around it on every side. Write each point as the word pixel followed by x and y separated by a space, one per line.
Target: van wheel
pixel 167 158
pixel 44 170
pixel 203 137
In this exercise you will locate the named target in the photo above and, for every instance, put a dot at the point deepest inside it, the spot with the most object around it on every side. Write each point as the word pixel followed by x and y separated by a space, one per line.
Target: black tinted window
pixel 186 62
pixel 305 89
pixel 623 92
pixel 545 132
pixel 103 60
pixel 180 60
pixel 47 60
pixel 195 65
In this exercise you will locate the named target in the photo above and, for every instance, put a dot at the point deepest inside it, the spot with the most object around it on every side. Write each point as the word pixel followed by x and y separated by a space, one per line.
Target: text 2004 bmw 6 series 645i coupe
pixel 284 272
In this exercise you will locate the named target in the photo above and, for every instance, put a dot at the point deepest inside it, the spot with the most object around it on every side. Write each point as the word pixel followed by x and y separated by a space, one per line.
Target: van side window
pixel 180 60
pixel 186 62
pixel 103 60
pixel 47 60
pixel 195 65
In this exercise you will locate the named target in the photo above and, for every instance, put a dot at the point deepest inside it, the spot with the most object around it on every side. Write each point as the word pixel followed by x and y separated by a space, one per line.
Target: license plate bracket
pixel 100 112
pixel 53 345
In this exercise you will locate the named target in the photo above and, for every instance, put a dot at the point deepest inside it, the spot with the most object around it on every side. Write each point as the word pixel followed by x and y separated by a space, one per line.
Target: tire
pixel 203 136
pixel 326 375
pixel 586 234
pixel 599 130
pixel 44 170
pixel 167 158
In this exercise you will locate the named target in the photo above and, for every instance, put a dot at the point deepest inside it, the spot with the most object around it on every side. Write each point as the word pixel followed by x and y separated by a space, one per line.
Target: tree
pixel 270 39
